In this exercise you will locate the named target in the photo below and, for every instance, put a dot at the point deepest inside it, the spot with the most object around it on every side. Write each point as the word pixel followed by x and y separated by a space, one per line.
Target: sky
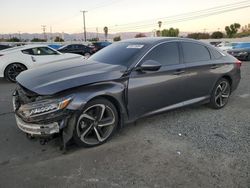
pixel 27 16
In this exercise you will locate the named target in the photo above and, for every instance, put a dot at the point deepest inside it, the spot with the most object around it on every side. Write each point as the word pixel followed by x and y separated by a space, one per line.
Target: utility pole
pixel 97 33
pixel 44 32
pixel 84 25
pixel 19 34
pixel 51 37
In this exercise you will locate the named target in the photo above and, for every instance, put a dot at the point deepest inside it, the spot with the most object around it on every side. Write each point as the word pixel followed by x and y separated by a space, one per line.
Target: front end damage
pixel 43 116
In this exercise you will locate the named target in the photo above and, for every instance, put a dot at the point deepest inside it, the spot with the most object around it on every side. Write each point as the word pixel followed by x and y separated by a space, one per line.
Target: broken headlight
pixel 44 107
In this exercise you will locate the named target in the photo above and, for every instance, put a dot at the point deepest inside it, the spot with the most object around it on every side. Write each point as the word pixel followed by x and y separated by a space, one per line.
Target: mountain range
pixel 74 36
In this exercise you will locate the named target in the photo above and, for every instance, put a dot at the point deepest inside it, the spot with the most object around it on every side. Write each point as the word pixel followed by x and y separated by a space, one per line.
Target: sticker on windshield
pixel 137 46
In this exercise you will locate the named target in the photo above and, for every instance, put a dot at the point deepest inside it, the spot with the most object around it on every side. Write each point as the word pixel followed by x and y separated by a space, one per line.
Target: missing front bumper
pixel 38 129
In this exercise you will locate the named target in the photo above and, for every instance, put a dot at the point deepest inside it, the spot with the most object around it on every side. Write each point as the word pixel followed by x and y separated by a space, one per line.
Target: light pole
pixel 84 25
pixel 44 32
pixel 19 34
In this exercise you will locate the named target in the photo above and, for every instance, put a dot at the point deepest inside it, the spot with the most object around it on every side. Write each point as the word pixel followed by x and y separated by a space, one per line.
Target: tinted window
pixel 118 53
pixel 193 52
pixel 43 51
pixel 166 54
pixel 69 47
pixel 73 47
pixel 82 47
pixel 79 46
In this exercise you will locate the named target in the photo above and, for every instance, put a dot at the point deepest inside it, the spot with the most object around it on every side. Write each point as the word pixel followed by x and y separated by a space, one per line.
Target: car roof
pixel 157 40
pixel 73 44
pixel 102 42
pixel 151 40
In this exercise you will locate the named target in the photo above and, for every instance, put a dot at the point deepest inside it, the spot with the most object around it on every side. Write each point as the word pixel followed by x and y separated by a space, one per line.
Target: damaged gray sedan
pixel 88 101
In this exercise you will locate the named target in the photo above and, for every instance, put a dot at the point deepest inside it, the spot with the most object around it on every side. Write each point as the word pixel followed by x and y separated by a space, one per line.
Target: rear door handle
pixel 214 66
pixel 178 72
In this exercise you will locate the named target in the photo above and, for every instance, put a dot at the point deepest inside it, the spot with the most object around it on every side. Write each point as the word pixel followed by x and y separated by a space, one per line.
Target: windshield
pixel 120 53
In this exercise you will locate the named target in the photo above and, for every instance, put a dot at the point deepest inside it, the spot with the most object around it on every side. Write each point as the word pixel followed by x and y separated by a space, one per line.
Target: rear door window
pixel 193 52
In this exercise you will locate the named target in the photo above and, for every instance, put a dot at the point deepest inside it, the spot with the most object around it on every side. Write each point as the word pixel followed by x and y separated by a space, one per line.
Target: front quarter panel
pixel 82 95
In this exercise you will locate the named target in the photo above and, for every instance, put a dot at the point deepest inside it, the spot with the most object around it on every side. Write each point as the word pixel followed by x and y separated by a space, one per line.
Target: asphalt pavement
pixel 188 147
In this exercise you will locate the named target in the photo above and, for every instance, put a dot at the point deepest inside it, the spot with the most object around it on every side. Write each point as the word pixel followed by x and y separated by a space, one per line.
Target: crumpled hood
pixel 56 77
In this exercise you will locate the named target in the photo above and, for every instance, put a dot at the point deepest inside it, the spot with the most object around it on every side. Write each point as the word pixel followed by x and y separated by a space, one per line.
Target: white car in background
pixel 17 59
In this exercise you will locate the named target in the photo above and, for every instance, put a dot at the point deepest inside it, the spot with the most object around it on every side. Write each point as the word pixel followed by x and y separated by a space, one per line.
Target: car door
pixel 199 78
pixel 152 91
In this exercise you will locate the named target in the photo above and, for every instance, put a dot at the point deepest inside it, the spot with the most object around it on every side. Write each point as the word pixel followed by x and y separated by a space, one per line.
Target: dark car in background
pixel 242 54
pixel 3 47
pixel 100 45
pixel 77 49
pixel 128 80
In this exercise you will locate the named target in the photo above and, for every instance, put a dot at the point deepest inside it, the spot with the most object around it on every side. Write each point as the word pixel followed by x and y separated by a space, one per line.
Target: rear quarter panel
pixel 227 69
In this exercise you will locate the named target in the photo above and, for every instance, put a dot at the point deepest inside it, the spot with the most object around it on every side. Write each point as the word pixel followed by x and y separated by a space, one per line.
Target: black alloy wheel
pixel 13 70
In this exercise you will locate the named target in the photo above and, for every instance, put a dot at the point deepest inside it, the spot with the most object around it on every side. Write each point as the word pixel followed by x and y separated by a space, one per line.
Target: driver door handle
pixel 33 58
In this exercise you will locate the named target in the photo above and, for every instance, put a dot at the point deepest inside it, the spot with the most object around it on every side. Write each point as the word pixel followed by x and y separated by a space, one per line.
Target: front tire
pixel 13 70
pixel 220 94
pixel 96 123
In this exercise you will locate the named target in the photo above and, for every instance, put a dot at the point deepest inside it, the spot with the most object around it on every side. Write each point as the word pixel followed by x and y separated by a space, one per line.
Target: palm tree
pixel 159 24
pixel 105 29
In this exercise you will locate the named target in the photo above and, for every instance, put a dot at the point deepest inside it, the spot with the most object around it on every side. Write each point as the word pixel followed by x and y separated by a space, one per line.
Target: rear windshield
pixel 118 53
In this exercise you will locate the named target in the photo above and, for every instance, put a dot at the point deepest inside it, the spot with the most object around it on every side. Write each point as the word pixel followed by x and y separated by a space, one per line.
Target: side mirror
pixel 149 65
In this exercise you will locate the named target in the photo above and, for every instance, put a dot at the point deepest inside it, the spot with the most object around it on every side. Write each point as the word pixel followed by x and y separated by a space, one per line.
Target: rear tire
pixel 220 94
pixel 96 123
pixel 13 70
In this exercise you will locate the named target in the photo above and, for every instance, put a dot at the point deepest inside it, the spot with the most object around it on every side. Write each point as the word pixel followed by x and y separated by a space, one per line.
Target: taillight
pixel 238 64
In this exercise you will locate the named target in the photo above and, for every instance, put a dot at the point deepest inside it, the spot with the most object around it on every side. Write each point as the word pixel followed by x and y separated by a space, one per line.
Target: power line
pixel 186 14
pixel 184 18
